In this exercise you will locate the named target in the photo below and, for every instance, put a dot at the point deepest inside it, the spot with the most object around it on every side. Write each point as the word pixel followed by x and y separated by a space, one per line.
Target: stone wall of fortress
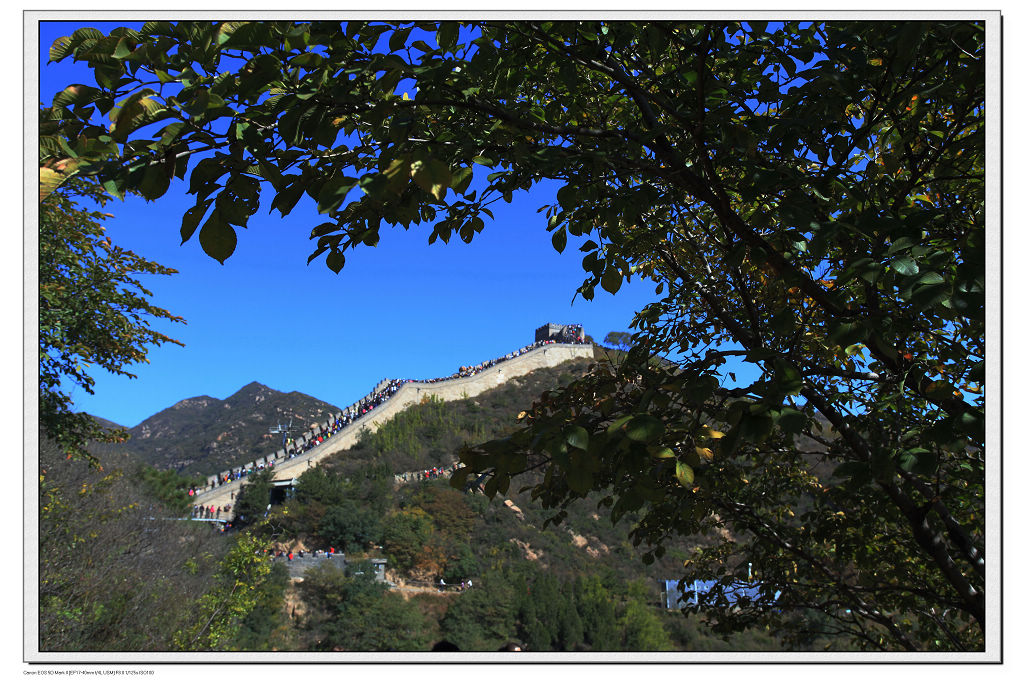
pixel 410 393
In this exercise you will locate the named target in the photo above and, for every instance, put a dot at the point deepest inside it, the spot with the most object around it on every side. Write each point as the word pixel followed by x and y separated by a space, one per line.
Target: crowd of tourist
pixel 443 587
pixel 291 554
pixel 240 473
pixel 209 511
pixel 424 475
pixel 571 334
pixel 469 371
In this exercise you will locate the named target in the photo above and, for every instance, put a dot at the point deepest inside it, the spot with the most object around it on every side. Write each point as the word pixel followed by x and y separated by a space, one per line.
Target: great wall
pixel 410 393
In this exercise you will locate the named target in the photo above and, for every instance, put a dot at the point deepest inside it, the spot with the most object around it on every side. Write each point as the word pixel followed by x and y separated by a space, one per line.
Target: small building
pixel 281 490
pixel 378 565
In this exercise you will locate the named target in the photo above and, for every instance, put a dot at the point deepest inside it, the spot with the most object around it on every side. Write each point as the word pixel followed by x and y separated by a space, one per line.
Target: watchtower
pixel 559 333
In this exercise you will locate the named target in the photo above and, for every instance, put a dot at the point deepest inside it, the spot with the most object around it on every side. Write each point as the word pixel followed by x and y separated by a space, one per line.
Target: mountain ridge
pixel 201 435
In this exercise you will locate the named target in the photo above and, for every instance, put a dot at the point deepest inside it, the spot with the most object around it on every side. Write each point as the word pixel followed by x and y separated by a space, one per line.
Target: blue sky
pixel 401 309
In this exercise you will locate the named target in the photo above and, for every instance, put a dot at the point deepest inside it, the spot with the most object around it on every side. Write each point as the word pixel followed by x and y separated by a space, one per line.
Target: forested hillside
pixel 120 569
pixel 115 551
pixel 509 577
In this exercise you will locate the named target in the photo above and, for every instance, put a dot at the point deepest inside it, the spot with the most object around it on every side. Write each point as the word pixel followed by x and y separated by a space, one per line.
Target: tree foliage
pixel 620 340
pixel 168 487
pixel 94 310
pixel 807 196
pixel 350 527
pixel 357 613
pixel 253 499
pixel 117 571
pixel 523 603
pixel 406 535
pixel 239 587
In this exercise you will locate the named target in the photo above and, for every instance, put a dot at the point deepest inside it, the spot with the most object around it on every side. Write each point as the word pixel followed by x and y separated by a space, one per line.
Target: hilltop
pixel 204 435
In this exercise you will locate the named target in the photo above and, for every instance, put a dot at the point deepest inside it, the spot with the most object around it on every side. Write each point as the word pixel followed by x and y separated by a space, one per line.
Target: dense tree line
pixel 119 572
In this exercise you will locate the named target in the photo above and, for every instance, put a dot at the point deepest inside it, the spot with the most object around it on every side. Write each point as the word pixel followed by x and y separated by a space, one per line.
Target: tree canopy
pixel 808 197
pixel 93 311
pixel 620 340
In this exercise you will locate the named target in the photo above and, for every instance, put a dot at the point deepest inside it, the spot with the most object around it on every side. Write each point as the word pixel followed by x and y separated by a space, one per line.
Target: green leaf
pixel 398 39
pixel 644 428
pixel 579 480
pixel 611 280
pixel 567 196
pixel 190 221
pixel 376 186
pixel 938 391
pixel 791 420
pixel 217 238
pixel 728 445
pixel 930 277
pixel 122 49
pixel 972 422
pixel 137 110
pixel 858 473
pixel 904 265
pixel 287 198
pixel 75 95
pixel 900 244
pixel 336 261
pixel 919 461
pixel 558 239
pixel 788 378
pixel 433 176
pixel 684 473
pixel 459 477
pixel 616 425
pixel 846 334
pixel 333 193
pixel 577 437
pixel 61 48
pixel 155 181
pixel 461 178
pixel 114 187
pixel 448 35
pixel 926 297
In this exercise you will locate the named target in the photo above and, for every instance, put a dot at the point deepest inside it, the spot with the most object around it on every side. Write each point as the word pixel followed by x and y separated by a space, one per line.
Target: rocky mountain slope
pixel 203 435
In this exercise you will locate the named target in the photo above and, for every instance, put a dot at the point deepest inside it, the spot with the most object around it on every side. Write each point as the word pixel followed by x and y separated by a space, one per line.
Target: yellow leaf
pixel 704 452
pixel 709 433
